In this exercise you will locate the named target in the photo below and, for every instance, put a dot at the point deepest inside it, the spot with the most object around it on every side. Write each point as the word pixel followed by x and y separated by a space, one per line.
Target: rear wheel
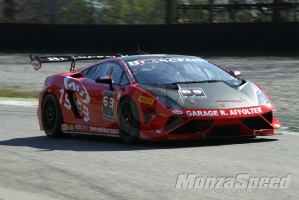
pixel 129 123
pixel 51 116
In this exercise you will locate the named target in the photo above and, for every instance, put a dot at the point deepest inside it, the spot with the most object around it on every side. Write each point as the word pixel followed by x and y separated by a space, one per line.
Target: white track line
pixel 19 103
pixel 289 133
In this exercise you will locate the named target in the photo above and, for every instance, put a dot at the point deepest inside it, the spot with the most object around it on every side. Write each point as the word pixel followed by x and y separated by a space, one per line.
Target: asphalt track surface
pixel 33 166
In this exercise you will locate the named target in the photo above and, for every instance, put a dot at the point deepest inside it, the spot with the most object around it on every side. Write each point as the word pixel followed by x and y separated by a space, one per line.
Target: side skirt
pixel 85 133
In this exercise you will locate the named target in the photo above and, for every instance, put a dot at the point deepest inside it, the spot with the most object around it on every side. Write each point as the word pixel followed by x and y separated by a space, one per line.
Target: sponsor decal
pixel 57 58
pixel 230 101
pixel 228 112
pixel 146 100
pixel 111 70
pixel 66 58
pixel 247 111
pixel 186 91
pixel 74 85
pixel 81 100
pixel 202 113
pixel 222 104
pixel 158 131
pixel 64 127
pixel 108 105
pixel 71 127
pixel 103 130
pixel 177 112
pixel 77 127
pixel 128 72
pixel 164 60
pixel 81 127
pixel 91 57
pixel 197 93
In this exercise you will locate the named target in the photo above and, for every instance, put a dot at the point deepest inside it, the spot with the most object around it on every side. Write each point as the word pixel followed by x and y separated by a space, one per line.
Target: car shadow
pixel 102 143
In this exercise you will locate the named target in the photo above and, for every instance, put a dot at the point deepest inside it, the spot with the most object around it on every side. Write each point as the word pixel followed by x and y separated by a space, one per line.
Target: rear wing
pixel 37 61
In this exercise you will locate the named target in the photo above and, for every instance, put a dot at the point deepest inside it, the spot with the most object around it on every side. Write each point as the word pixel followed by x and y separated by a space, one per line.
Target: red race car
pixel 156 97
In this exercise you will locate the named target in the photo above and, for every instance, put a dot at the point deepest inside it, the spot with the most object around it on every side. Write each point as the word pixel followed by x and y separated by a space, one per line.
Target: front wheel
pixel 51 116
pixel 129 123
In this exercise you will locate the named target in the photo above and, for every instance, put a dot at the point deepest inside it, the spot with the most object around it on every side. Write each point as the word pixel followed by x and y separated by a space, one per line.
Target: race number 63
pixel 108 105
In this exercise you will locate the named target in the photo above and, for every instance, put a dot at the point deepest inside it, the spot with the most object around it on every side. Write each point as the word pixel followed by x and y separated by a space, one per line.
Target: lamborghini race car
pixel 149 96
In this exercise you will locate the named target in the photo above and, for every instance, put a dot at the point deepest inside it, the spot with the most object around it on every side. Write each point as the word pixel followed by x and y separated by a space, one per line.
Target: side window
pixel 86 71
pixel 92 72
pixel 115 71
pixel 112 69
pixel 124 80
pixel 101 70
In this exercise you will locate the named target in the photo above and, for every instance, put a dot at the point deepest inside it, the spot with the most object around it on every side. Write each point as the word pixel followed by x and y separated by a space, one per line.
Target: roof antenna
pixel 140 52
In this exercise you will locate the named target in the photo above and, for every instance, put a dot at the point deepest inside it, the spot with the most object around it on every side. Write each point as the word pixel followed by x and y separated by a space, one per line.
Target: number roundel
pixel 108 105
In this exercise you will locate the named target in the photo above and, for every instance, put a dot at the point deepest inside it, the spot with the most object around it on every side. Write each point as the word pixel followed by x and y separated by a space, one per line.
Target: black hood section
pixel 160 89
pixel 210 95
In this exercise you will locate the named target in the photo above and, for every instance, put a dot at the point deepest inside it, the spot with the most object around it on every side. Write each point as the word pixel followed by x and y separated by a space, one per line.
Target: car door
pixel 102 107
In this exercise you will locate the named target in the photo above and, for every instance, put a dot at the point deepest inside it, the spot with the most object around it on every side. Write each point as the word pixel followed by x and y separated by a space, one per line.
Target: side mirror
pixel 235 72
pixel 105 79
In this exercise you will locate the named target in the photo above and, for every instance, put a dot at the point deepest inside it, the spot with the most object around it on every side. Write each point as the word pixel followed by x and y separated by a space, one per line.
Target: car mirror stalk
pixel 105 80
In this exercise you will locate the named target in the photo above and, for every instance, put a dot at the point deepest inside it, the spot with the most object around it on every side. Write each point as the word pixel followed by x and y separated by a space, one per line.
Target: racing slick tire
pixel 129 121
pixel 51 116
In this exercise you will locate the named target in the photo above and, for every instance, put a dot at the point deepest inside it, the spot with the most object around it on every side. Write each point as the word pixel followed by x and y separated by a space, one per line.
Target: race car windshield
pixel 179 70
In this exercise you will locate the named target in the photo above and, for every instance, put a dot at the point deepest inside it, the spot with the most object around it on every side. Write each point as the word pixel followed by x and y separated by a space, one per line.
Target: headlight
pixel 263 100
pixel 167 102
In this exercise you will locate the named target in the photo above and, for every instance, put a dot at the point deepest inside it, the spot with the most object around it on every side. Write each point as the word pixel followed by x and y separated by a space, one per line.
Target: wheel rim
pixel 49 115
pixel 126 121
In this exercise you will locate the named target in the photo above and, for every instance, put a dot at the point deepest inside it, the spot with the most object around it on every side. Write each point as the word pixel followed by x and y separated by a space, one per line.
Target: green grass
pixel 8 92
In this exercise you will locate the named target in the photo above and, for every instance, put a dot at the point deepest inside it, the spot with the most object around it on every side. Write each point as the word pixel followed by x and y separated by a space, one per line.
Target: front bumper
pixel 231 123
